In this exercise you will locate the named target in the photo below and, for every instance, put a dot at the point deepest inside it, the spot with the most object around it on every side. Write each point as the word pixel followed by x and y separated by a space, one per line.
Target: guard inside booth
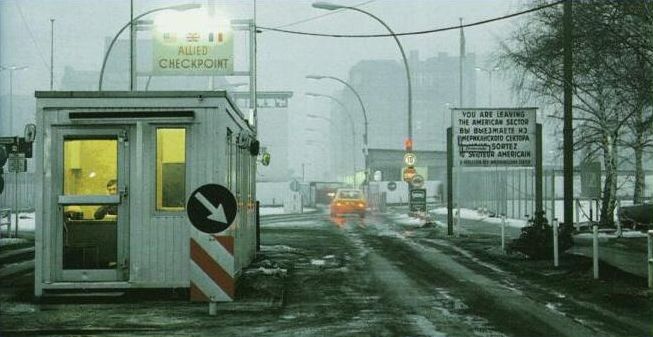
pixel 91 168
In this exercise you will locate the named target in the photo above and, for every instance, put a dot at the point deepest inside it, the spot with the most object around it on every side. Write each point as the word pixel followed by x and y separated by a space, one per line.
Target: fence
pixel 511 191
pixel 25 188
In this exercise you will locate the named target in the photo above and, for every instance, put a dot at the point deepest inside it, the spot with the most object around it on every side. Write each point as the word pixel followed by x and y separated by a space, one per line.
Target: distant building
pixel 382 87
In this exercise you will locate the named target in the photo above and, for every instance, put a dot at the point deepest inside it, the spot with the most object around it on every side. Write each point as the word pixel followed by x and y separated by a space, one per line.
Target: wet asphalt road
pixel 322 276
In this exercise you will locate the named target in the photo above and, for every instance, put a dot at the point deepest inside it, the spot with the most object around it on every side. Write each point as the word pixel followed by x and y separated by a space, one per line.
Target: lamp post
pixel 132 72
pixel 489 72
pixel 360 101
pixel 351 122
pixel 330 7
pixel 11 70
pixel 329 120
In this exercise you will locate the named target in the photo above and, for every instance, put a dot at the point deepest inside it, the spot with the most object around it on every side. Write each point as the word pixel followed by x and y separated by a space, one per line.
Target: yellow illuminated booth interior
pixel 170 169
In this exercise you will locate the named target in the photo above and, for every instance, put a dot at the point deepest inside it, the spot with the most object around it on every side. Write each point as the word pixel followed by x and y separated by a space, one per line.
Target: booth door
pixel 94 214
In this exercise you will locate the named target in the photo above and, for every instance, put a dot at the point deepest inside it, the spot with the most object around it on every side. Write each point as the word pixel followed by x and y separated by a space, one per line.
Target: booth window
pixel 170 169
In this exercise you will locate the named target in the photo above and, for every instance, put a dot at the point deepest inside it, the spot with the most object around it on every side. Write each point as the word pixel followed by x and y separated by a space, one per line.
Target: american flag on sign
pixel 192 37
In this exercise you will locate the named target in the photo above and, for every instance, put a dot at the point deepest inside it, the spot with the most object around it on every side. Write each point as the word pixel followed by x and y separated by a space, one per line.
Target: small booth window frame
pixel 152 165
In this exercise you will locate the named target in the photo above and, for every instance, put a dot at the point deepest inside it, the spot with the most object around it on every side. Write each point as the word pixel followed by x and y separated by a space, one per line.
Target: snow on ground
pixel 404 219
pixel 12 241
pixel 470 214
pixel 612 235
pixel 25 222
pixel 280 210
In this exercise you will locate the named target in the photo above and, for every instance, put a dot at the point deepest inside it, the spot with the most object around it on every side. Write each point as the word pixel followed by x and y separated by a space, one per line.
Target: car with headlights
pixel 348 201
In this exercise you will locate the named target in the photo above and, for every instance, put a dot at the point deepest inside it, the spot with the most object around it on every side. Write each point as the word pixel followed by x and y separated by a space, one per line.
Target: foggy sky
pixel 81 27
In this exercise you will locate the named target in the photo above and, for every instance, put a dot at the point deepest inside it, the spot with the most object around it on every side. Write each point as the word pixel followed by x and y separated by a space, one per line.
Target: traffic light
pixel 408 144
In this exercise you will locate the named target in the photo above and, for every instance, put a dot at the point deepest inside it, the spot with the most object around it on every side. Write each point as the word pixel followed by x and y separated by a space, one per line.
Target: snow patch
pixel 280 210
pixel 12 241
pixel 290 223
pixel 278 248
pixel 267 271
pixel 318 262
pixel 554 307
pixel 425 327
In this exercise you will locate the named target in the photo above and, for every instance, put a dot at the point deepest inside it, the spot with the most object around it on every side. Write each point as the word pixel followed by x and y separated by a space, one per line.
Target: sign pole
pixel 16 203
pixel 538 170
pixel 449 182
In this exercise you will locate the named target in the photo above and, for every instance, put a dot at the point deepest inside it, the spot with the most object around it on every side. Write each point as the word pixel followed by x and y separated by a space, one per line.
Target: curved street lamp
pixel 330 7
pixel 489 72
pixel 184 7
pixel 360 101
pixel 351 122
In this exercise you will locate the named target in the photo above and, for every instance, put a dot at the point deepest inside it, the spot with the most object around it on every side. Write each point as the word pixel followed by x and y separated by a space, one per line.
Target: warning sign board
pixel 494 137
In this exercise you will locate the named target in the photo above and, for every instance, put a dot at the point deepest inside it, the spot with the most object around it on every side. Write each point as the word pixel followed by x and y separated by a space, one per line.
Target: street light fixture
pixel 489 71
pixel 180 8
pixel 351 122
pixel 330 7
pixel 360 101
pixel 11 70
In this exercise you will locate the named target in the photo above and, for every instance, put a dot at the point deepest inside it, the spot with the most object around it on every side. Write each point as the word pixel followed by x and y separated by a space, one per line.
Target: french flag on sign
pixel 215 37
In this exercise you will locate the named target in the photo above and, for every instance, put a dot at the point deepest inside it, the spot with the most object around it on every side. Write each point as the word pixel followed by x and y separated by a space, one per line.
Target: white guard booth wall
pixel 116 170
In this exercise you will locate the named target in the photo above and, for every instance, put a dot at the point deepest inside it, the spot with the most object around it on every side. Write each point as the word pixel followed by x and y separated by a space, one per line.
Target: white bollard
pixel 650 259
pixel 503 233
pixel 595 251
pixel 213 308
pixel 555 243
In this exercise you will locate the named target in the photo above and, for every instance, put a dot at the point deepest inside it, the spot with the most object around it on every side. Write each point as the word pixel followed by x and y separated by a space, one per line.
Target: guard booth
pixel 116 171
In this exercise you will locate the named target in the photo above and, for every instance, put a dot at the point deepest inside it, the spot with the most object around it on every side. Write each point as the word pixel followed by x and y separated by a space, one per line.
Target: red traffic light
pixel 408 144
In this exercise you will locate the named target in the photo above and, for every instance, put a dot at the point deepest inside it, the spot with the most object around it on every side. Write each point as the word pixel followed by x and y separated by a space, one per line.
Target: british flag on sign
pixel 192 37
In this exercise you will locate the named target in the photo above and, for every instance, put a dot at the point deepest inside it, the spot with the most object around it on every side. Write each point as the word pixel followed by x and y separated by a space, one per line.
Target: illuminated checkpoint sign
pixel 494 137
pixel 190 43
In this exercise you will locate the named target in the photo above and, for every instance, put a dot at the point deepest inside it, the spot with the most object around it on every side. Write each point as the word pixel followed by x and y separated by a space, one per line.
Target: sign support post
pixel 539 209
pixel 449 182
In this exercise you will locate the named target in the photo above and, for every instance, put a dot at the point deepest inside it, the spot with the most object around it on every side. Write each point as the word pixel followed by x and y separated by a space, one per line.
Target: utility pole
pixel 51 54
pixel 460 69
pixel 568 140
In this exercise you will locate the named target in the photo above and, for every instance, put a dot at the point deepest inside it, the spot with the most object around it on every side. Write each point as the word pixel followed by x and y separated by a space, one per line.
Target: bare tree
pixel 601 83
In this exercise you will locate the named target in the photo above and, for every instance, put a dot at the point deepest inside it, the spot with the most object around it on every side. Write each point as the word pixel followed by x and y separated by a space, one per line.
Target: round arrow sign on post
pixel 417 181
pixel 211 208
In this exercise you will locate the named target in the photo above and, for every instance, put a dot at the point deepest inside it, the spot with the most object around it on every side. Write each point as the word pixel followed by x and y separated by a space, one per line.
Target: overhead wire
pixel 430 31
pixel 31 35
pixel 322 15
